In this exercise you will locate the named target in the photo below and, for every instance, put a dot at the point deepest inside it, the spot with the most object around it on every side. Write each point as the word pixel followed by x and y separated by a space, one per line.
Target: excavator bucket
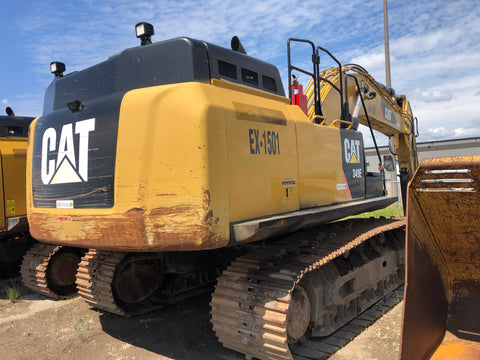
pixel 441 318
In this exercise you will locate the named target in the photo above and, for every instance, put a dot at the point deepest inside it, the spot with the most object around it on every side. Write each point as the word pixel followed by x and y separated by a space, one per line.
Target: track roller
pixel 269 303
pixel 121 283
pixel 50 269
pixel 136 283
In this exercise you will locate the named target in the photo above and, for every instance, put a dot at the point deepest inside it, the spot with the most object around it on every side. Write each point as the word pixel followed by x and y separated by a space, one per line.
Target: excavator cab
pixel 441 312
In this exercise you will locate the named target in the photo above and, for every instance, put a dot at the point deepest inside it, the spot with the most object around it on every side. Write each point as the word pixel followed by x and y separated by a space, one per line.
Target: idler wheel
pixel 61 271
pixel 298 315
pixel 136 279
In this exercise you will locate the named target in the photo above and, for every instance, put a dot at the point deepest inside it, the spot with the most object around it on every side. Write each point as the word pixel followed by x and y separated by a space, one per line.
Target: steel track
pixel 94 278
pixel 34 269
pixel 96 282
pixel 321 348
pixel 250 305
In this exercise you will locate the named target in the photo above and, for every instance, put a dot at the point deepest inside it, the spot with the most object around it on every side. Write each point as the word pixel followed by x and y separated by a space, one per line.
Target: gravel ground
pixel 37 328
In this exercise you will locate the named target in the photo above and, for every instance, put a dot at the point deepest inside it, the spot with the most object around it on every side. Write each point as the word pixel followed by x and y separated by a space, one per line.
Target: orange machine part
pixel 441 318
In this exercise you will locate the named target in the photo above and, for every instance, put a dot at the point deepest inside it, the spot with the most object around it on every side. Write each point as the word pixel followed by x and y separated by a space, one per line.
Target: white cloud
pixel 470 132
pixel 431 96
pixel 374 63
pixel 4 102
pixel 434 60
pixel 433 44
pixel 442 132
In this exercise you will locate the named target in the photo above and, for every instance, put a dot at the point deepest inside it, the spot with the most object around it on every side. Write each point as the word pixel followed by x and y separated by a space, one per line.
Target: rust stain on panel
pixel 162 229
pixel 171 211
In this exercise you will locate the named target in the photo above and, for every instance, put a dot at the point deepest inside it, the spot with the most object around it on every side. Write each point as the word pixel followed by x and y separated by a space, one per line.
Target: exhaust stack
pixel 9 111
pixel 237 45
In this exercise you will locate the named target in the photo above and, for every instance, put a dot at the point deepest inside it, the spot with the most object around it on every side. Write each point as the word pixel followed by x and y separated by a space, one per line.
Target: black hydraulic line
pixel 347 109
pixel 371 131
pixel 357 67
pixel 328 81
pixel 318 102
pixel 368 119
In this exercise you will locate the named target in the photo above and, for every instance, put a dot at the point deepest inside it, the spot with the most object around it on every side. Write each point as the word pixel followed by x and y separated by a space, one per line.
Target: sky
pixel 434 45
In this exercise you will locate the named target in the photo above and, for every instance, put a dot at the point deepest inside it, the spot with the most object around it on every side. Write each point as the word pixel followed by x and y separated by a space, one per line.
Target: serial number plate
pixel 264 142
pixel 64 204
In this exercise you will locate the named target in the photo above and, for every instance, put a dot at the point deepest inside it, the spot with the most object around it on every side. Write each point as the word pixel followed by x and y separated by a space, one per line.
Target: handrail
pixel 314 75
pixel 332 124
pixel 343 104
pixel 321 117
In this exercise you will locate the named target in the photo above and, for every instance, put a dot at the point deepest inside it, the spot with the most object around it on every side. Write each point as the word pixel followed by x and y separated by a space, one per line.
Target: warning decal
pixel 10 207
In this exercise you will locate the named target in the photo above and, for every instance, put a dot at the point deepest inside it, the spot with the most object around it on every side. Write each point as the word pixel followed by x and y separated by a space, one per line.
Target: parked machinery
pixel 154 170
pixel 14 238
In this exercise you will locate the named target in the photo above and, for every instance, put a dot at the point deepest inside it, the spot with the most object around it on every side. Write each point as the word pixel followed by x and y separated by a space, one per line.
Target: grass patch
pixel 82 328
pixel 393 210
pixel 12 291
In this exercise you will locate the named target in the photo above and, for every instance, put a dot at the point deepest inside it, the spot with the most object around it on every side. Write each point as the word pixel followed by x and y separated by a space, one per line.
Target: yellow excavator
pixel 175 165
pixel 14 238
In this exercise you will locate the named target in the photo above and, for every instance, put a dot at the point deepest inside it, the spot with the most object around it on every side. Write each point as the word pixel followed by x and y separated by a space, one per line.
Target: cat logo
pixel 352 151
pixel 388 113
pixel 64 169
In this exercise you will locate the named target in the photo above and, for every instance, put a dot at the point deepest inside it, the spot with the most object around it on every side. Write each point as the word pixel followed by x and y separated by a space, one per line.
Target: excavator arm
pixel 440 319
pixel 350 95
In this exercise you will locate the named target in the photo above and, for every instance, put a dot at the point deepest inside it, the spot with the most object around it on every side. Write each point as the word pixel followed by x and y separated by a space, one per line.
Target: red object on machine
pixel 299 98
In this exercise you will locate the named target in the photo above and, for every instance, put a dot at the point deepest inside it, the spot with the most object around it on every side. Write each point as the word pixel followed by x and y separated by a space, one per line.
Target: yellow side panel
pixel 320 165
pixel 169 190
pixel 262 155
pixel 162 166
pixel 192 163
pixel 14 158
pixel 191 159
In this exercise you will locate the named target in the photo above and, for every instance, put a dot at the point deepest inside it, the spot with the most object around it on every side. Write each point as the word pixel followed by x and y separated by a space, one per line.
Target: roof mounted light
pixel 144 32
pixel 57 68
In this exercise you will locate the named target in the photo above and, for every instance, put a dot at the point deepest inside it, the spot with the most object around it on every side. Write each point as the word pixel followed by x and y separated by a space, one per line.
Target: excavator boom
pixel 350 95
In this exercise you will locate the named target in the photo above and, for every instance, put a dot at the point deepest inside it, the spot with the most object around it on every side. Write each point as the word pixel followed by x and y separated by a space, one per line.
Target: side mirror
pixel 389 163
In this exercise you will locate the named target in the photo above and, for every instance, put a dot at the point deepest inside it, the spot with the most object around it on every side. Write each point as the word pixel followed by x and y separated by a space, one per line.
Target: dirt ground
pixel 36 328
